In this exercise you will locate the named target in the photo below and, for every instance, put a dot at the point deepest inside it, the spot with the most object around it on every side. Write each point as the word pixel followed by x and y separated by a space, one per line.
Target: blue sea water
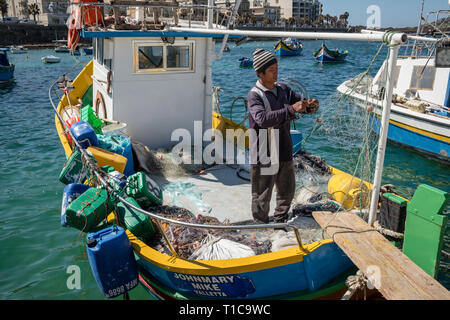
pixel 36 252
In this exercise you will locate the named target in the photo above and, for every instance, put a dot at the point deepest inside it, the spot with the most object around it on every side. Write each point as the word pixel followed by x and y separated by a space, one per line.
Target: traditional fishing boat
pixel 325 55
pixel 50 59
pixel 420 114
pixel 245 63
pixel 289 47
pixel 6 68
pixel 134 221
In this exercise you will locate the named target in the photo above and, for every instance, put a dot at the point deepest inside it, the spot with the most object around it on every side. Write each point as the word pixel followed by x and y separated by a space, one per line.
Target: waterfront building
pixel 52 12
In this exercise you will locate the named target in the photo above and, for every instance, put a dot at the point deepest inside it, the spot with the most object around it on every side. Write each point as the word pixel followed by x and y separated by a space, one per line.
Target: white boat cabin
pixel 144 81
pixel 419 78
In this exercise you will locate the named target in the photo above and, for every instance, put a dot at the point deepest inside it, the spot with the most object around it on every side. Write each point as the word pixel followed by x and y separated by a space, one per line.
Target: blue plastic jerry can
pixel 84 134
pixel 112 261
pixel 71 192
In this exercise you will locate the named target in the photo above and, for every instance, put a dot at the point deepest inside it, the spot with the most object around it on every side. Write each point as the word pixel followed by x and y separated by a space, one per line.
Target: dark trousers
pixel 262 186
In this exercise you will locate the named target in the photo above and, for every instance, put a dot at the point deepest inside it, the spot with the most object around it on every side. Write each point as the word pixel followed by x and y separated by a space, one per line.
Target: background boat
pixel 6 68
pixel 50 59
pixel 325 55
pixel 18 49
pixel 245 63
pixel 289 47
pixel 87 51
pixel 420 114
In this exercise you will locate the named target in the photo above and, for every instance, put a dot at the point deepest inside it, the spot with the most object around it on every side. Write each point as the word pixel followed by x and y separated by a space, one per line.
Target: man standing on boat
pixel 272 106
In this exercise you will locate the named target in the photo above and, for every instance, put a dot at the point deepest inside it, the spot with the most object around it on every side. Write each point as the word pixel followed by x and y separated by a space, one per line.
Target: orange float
pixel 82 16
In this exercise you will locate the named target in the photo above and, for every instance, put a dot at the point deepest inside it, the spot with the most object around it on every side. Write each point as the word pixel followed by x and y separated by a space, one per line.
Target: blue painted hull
pixel 420 142
pixel 283 52
pixel 317 269
pixel 324 55
pixel 6 76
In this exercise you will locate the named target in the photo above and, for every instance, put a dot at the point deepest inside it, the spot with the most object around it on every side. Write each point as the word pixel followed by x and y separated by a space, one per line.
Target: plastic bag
pixel 213 248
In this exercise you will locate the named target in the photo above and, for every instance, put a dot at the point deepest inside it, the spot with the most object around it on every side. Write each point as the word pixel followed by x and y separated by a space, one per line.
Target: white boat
pixel 50 59
pixel 420 113
pixel 62 49
pixel 18 49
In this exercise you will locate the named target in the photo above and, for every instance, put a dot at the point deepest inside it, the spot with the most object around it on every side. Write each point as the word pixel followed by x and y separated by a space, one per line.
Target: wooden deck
pixel 391 272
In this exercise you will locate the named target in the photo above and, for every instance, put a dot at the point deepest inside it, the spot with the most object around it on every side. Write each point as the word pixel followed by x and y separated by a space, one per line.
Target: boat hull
pixel 6 73
pixel 423 133
pixel 323 56
pixel 415 138
pixel 246 278
pixel 283 50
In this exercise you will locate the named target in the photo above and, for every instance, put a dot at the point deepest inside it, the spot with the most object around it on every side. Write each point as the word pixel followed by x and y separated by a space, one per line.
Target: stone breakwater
pixel 33 35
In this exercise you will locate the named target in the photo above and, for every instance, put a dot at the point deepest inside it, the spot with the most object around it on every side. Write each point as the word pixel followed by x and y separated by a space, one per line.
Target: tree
pixel 23 8
pixel 34 10
pixel 3 8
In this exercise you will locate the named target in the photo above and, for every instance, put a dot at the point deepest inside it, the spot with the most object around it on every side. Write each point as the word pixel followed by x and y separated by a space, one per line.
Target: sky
pixel 393 13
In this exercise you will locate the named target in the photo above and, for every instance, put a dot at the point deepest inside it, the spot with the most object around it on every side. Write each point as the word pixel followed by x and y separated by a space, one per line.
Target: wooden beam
pixel 395 276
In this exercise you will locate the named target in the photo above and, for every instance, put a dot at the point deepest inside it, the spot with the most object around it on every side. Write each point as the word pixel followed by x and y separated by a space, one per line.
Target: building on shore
pixel 52 12
pixel 264 12
pixel 308 10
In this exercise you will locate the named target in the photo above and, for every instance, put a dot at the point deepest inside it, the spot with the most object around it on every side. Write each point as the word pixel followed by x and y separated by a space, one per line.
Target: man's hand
pixel 313 106
pixel 306 106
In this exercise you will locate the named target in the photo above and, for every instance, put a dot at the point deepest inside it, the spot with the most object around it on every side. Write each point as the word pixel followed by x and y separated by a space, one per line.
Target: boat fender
pixel 112 261
pixel 99 100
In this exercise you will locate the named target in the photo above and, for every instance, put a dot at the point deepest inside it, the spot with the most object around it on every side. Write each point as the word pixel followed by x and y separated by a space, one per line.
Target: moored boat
pixel 420 114
pixel 289 47
pixel 305 269
pixel 6 68
pixel 325 55
pixel 50 59
pixel 245 63
pixel 62 49
pixel 87 51
pixel 18 49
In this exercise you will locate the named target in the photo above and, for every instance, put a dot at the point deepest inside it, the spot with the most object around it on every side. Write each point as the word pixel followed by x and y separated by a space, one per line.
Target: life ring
pixel 99 100
pixel 108 81
pixel 73 35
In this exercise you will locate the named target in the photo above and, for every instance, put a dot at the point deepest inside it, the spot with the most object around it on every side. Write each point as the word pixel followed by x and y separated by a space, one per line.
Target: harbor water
pixel 41 260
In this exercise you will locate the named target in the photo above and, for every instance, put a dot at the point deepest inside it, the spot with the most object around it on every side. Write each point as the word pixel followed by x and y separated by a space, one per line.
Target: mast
pixel 419 29
pixel 387 103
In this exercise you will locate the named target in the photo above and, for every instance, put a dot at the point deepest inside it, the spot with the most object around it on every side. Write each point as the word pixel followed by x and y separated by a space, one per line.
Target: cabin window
pixel 423 78
pixel 178 56
pixel 382 79
pixel 163 57
pixel 99 51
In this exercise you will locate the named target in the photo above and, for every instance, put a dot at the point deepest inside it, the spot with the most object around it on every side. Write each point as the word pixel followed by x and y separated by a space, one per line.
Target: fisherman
pixel 272 105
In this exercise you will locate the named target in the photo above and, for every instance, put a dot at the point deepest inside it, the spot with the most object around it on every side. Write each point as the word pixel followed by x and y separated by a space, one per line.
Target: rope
pixel 355 283
pixel 387 232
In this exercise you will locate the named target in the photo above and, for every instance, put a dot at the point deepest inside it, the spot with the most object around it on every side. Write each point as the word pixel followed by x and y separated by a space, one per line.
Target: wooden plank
pixel 398 277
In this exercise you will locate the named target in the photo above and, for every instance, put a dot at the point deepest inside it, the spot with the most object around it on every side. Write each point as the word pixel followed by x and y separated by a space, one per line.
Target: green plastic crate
pixel 144 189
pixel 73 169
pixel 88 115
pixel 88 210
pixel 136 222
